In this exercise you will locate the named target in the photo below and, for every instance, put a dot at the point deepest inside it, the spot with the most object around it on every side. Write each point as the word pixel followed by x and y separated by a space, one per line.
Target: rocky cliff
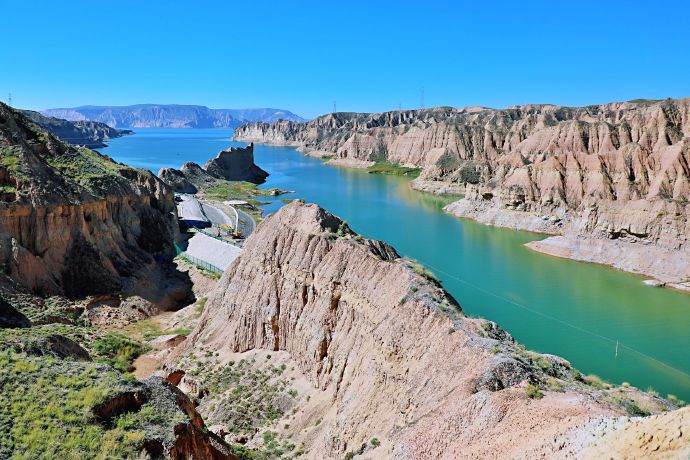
pixel 91 134
pixel 611 179
pixel 233 164
pixel 393 368
pixel 170 116
pixel 73 222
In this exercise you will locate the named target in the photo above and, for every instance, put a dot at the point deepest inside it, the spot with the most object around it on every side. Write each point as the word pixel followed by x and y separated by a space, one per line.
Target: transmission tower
pixel 334 108
pixel 421 99
pixel 9 100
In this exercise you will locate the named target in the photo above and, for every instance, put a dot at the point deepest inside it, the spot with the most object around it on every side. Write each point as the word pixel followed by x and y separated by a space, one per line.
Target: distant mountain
pixel 170 116
pixel 91 134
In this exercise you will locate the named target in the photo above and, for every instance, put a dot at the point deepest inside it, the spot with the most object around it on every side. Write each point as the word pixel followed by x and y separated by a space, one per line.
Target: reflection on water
pixel 553 305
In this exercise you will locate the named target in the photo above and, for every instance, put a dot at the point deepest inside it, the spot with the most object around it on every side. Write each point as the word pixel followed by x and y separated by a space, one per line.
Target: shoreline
pixel 556 244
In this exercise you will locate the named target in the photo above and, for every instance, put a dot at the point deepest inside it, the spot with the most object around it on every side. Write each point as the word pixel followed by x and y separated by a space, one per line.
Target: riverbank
pixel 553 305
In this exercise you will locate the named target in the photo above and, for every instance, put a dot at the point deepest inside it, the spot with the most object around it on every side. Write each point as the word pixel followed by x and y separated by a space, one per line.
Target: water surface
pixel 572 309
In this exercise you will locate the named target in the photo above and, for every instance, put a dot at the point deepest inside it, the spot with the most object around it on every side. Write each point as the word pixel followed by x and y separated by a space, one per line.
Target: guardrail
pixel 220 238
pixel 198 262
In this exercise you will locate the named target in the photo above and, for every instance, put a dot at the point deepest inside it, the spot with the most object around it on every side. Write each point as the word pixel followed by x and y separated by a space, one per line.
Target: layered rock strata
pixel 611 179
pixel 390 353
pixel 73 222
pixel 233 164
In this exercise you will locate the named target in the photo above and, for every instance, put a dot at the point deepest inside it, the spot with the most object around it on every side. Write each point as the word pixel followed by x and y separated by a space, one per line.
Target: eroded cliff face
pixel 73 222
pixel 233 164
pixel 388 352
pixel 615 174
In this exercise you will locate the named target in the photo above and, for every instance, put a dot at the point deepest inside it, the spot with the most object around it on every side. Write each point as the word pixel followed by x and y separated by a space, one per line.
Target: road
pixel 247 224
pixel 217 216
pixel 212 250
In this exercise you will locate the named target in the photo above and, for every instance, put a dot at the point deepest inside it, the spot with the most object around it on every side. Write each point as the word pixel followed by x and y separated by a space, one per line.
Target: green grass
pixel 118 350
pixel 421 270
pixel 45 410
pixel 9 158
pixel 386 167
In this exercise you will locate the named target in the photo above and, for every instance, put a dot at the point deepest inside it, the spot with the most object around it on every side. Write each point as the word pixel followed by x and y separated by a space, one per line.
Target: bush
pixel 533 392
pixel 470 175
pixel 375 442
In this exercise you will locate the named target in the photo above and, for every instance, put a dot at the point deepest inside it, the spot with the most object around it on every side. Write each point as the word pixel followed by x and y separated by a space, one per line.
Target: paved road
pixel 217 216
pixel 212 250
pixel 246 225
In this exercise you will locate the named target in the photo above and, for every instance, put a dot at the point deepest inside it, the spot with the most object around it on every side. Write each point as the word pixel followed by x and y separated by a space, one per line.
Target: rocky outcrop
pixel 388 350
pixel 91 134
pixel 613 176
pixel 233 164
pixel 236 164
pixel 11 317
pixel 170 116
pixel 73 222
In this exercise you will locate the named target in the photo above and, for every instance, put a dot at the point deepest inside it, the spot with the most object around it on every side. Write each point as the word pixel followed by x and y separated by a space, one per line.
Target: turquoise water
pixel 552 305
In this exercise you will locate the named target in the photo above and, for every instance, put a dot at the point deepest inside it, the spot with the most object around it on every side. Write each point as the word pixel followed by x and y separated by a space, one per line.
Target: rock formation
pixel 233 164
pixel 73 222
pixel 390 354
pixel 170 116
pixel 91 134
pixel 611 179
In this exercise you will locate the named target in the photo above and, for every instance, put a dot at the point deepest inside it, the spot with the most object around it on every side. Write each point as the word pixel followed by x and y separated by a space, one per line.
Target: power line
pixel 552 318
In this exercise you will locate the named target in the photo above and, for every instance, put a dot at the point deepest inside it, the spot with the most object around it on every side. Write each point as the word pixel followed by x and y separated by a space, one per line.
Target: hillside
pixel 73 222
pixel 170 116
pixel 91 134
pixel 611 180
pixel 352 350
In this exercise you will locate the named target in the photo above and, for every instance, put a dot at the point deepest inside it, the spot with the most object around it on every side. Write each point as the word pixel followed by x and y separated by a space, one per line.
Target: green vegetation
pixel 118 351
pixel 594 381
pixel 632 408
pixel 9 158
pixel 470 175
pixel 421 270
pixel 532 392
pixel 46 411
pixel 375 442
pixel 245 398
pixel 386 167
pixel 84 165
pixel 675 400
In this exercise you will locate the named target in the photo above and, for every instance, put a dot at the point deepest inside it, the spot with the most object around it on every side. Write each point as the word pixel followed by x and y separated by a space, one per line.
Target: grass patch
pixel 532 392
pixel 118 350
pixel 45 410
pixel 392 169
pixel 421 270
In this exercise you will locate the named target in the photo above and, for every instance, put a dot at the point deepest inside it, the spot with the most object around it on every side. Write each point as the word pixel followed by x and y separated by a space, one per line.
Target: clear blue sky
pixel 367 56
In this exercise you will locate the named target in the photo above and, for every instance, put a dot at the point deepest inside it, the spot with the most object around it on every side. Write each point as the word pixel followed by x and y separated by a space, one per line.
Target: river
pixel 602 320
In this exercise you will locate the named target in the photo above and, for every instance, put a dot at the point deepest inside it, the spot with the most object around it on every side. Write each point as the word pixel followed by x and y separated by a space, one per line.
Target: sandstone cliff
pixel 91 134
pixel 233 164
pixel 395 368
pixel 612 179
pixel 73 222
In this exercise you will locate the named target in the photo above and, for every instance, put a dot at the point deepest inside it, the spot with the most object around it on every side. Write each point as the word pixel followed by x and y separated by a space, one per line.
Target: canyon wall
pixel 73 222
pixel 390 353
pixel 611 180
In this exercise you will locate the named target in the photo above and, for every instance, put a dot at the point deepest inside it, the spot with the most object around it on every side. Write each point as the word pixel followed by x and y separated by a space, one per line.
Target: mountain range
pixel 170 116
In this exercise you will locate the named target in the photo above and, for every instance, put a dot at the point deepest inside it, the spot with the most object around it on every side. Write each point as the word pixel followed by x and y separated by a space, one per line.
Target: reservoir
pixel 604 321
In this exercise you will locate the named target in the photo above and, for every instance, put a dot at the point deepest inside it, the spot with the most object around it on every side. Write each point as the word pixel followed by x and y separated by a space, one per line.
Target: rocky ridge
pixel 91 134
pixel 73 222
pixel 611 180
pixel 395 369
pixel 170 116
pixel 233 164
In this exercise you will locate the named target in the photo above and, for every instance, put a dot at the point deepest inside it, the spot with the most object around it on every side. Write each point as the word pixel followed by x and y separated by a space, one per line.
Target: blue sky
pixel 367 56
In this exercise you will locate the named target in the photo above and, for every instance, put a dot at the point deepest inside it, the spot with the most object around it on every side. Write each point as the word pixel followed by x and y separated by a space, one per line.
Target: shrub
pixel 375 442
pixel 594 381
pixel 470 175
pixel 533 392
